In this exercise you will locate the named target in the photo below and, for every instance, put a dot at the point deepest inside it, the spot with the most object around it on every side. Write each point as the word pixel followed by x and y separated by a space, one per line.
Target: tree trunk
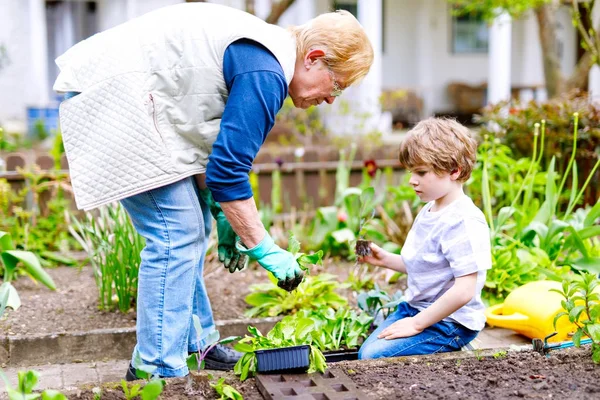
pixel 277 9
pixel 546 17
pixel 581 73
pixel 250 7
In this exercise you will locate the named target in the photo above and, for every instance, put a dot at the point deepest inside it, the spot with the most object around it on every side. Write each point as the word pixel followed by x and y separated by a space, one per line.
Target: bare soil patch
pixel 568 373
pixel 73 307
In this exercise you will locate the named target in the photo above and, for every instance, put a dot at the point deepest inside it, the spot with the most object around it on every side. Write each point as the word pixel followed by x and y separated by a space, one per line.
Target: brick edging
pixel 96 345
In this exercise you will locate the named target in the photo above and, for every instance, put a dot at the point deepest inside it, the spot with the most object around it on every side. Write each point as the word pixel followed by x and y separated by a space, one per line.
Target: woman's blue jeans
pixel 438 338
pixel 176 225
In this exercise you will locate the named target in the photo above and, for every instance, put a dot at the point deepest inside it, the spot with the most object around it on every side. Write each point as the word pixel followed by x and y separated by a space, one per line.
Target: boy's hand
pixel 405 327
pixel 377 258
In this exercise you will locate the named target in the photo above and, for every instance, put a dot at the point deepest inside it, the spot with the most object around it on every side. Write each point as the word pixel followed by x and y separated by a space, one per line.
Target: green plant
pixel 27 381
pixel 14 263
pixel 534 237
pixel 376 300
pixel 290 331
pixel 151 390
pixel 582 306
pixel 516 130
pixel 226 391
pixel 153 387
pixel 500 354
pixel 113 247
pixel 336 329
pixel 267 299
pixel 195 361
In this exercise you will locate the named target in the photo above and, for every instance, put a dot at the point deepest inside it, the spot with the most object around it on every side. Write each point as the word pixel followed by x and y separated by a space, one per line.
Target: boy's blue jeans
pixel 438 338
pixel 176 225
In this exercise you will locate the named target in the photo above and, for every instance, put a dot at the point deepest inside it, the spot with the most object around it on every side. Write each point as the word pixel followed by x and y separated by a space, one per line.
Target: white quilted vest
pixel 152 97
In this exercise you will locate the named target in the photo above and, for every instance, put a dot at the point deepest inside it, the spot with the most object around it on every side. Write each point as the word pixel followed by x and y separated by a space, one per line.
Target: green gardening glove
pixel 229 255
pixel 281 263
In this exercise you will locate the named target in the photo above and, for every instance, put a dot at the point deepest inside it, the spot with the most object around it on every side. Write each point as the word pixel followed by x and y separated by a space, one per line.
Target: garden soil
pixel 565 374
pixel 73 307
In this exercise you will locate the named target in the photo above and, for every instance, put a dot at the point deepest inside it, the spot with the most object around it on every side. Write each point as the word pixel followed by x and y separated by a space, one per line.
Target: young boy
pixel 446 253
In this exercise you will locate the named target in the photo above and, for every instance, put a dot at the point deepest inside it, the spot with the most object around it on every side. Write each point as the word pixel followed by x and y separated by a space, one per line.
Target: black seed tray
pixel 341 355
pixel 284 359
pixel 330 385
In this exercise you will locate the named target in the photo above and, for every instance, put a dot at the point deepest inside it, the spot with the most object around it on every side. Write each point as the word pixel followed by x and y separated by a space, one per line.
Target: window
pixel 469 34
pixel 352 7
pixel 349 5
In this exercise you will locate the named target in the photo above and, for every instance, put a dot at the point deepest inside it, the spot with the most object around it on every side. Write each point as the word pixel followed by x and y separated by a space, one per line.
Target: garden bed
pixel 73 306
pixel 566 373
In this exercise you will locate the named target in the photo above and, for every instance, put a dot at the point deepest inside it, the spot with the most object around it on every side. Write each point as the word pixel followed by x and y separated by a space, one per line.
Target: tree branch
pixel 277 9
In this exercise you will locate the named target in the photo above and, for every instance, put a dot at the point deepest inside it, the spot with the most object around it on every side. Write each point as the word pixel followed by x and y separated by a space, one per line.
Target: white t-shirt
pixel 444 245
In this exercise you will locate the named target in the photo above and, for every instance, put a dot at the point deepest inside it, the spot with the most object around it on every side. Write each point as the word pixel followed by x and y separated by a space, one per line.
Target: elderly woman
pixel 166 113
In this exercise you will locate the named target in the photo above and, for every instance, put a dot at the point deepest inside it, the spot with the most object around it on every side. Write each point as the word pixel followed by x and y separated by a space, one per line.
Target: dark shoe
pixel 130 375
pixel 221 358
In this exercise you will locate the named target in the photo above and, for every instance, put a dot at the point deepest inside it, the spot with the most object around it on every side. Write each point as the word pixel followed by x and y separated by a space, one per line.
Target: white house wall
pixel 417 50
pixel 14 78
pixel 407 59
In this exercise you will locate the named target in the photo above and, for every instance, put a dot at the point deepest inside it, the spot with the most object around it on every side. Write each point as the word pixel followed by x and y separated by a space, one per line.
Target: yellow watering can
pixel 530 311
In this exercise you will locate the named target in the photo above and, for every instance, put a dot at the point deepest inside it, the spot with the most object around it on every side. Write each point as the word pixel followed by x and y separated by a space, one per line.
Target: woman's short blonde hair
pixel 348 51
pixel 441 144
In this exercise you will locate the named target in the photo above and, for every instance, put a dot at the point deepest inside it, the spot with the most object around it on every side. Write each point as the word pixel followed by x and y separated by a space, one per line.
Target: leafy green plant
pixel 226 392
pixel 337 329
pixel 500 355
pixel 113 247
pixel 15 263
pixel 377 300
pixel 290 331
pixel 151 390
pixel 267 299
pixel 195 361
pixel 581 305
pixel 154 384
pixel 534 237
pixel 27 381
pixel 34 215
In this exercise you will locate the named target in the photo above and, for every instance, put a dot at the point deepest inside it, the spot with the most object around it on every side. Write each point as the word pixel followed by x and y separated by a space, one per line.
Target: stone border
pixel 96 345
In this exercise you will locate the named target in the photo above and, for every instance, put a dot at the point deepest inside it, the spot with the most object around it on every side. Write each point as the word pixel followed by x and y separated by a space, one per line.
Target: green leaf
pixel 6 241
pixel 590 231
pixel 592 215
pixel 197 325
pixel 229 339
pixel 558 316
pixel 16 395
pixel 577 338
pixel 594 331
pixel 575 313
pixel 50 394
pixel 293 244
pixel 28 380
pixel 9 297
pixel 32 266
pixel 314 259
pixel 192 362
pixel 344 235
pixel 589 264
pixel 243 347
pixel 230 393
pixel 152 389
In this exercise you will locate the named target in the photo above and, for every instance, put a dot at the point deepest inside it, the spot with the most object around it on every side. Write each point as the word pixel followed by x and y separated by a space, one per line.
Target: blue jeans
pixel 438 338
pixel 176 224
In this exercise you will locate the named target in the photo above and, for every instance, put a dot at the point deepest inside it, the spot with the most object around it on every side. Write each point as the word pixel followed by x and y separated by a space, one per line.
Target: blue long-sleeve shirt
pixel 257 89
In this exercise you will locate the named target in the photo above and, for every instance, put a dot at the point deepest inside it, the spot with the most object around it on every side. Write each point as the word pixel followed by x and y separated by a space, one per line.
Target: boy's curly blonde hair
pixel 440 144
